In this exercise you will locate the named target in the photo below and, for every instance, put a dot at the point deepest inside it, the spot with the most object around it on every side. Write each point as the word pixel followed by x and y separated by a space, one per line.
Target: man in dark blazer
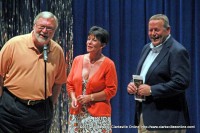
pixel 165 68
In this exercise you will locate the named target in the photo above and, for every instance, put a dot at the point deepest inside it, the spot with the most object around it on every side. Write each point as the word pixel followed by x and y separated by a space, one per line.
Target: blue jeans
pixel 16 117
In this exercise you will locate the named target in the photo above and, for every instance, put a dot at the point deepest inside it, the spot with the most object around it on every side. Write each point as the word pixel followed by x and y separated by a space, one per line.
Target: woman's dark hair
pixel 101 34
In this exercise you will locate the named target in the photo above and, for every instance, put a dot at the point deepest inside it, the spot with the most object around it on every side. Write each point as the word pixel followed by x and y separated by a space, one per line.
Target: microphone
pixel 45 55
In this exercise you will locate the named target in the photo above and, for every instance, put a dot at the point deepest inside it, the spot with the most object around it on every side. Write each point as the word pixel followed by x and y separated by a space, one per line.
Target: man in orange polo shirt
pixel 23 84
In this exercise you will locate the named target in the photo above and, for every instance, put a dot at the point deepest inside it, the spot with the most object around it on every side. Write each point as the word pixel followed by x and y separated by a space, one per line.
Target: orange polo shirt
pixel 22 67
pixel 104 79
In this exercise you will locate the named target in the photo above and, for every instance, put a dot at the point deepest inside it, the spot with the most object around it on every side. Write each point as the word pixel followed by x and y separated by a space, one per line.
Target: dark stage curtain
pixel 127 20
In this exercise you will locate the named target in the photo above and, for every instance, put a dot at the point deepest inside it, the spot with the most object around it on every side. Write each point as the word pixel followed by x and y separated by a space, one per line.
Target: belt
pixel 26 102
pixel 29 102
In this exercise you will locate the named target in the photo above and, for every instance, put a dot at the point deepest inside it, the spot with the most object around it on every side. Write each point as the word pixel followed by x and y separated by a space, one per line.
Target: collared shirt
pixel 22 67
pixel 150 58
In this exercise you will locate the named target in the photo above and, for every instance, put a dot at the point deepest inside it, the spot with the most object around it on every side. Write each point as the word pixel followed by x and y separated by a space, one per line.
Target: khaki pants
pixel 142 128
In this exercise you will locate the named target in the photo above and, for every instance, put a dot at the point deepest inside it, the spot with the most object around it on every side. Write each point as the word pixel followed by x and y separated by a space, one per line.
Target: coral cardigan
pixel 105 79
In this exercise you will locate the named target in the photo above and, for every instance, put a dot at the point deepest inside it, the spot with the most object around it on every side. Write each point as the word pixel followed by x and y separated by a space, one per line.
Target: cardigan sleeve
pixel 111 81
pixel 69 84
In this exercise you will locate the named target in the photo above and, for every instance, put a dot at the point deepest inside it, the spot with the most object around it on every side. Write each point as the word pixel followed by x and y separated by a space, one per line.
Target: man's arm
pixel 55 93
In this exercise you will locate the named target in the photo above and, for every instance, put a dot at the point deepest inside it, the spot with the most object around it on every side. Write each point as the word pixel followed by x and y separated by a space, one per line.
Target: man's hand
pixel 55 93
pixel 131 88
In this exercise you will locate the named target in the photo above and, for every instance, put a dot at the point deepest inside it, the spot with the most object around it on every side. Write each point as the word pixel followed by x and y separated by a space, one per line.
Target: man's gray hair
pixel 161 17
pixel 46 14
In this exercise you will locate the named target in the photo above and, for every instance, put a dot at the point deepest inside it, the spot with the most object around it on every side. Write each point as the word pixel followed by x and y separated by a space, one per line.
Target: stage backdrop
pixel 127 20
pixel 16 17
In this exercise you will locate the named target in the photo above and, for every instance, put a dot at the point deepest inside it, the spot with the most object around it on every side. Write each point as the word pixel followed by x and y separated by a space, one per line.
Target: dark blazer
pixel 169 77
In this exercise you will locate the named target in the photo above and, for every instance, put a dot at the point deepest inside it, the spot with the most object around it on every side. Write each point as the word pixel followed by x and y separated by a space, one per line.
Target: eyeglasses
pixel 41 27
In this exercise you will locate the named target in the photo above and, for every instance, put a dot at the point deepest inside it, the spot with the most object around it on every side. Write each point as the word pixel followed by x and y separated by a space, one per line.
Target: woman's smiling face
pixel 93 44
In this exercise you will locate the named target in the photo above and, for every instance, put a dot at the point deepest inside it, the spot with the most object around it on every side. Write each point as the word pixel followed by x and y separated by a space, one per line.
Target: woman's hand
pixel 74 103
pixel 82 99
